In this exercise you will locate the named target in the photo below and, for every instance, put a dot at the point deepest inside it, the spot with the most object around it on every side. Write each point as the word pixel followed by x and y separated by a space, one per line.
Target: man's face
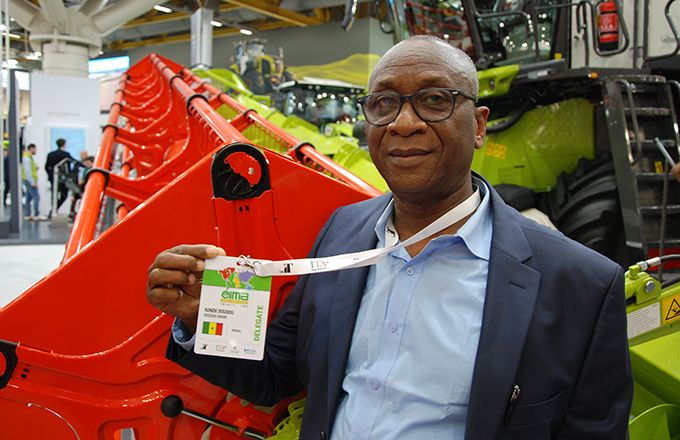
pixel 32 150
pixel 425 160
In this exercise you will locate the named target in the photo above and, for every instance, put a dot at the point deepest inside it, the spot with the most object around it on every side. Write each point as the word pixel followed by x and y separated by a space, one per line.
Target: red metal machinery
pixel 83 353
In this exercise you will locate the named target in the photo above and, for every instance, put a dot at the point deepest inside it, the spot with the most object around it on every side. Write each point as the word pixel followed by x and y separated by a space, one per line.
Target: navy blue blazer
pixel 554 323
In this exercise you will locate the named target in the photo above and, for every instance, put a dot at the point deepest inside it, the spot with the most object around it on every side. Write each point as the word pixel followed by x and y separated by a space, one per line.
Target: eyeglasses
pixel 431 105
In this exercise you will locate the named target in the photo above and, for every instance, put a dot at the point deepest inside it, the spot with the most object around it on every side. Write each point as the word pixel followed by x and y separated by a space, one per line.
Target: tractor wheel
pixel 585 206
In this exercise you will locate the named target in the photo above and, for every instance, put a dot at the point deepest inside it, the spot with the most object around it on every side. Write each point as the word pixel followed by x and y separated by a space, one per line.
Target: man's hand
pixel 174 281
pixel 675 171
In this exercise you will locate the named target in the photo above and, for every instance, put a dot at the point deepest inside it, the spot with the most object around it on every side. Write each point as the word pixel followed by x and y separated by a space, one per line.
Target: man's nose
pixel 407 121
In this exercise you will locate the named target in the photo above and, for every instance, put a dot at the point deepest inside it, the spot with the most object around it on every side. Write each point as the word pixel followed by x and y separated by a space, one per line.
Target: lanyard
pixel 302 266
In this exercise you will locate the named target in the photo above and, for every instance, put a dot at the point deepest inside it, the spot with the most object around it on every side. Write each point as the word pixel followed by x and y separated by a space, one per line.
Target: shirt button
pixel 393 328
pixel 410 271
pixel 375 385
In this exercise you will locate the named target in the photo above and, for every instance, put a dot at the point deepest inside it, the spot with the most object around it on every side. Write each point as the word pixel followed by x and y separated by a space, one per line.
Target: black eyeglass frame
pixel 454 92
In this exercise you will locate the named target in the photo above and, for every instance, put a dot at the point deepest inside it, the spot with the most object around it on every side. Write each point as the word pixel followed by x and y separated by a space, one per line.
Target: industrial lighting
pixel 160 8
pixel 12 35
pixel 245 31
pixel 216 23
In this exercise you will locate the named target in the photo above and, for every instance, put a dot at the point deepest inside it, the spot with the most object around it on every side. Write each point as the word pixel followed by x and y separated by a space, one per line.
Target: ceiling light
pixel 12 35
pixel 216 23
pixel 160 8
pixel 245 31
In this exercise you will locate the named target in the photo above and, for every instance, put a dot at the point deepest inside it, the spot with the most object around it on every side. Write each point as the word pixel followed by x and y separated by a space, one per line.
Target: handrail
pixel 633 159
pixel 676 86
pixel 676 34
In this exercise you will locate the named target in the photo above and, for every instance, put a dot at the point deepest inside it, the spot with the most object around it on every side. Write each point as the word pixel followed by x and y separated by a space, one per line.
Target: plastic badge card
pixel 232 315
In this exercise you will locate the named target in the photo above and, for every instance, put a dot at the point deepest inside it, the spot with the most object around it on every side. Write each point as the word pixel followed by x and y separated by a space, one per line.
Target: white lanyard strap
pixel 265 268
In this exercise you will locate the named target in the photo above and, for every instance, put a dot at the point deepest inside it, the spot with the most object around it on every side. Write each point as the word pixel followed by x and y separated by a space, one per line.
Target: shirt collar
pixel 475 233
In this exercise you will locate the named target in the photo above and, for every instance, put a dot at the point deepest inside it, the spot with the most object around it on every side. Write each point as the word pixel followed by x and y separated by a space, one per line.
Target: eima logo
pixel 232 297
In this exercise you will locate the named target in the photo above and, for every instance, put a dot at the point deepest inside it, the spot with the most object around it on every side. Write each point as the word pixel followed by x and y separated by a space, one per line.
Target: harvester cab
pixel 326 103
pixel 259 70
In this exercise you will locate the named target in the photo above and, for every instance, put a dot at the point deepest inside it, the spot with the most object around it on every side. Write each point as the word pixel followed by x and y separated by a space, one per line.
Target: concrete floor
pixel 29 255
pixel 21 266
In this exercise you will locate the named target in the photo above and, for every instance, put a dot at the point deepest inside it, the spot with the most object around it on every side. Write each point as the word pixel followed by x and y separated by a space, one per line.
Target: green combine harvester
pixel 578 124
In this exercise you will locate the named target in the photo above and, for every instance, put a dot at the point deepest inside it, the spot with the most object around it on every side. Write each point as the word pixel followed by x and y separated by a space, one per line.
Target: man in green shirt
pixel 29 178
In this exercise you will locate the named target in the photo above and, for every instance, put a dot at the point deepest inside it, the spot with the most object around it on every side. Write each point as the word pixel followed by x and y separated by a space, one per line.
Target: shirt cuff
pixel 182 335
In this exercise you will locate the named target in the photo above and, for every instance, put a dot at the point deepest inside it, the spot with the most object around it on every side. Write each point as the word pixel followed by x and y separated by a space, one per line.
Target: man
pixel 82 168
pixel 675 171
pixel 29 180
pixel 5 164
pixel 494 328
pixel 53 158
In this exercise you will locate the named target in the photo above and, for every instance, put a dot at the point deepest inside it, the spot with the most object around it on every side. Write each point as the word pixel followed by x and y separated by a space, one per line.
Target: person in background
pixel 5 164
pixel 29 179
pixel 85 164
pixel 53 158
pixel 675 171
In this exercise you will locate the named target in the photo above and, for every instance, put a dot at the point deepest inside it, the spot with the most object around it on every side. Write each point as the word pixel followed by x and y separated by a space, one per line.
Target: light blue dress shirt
pixel 413 350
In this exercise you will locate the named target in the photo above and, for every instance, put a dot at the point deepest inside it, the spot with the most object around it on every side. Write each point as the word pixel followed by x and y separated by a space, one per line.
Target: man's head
pixel 427 161
pixel 61 143
pixel 88 161
pixel 31 149
pixel 84 155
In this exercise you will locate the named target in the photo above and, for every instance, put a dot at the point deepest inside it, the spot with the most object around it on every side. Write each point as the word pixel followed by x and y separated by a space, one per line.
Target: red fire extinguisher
pixel 607 26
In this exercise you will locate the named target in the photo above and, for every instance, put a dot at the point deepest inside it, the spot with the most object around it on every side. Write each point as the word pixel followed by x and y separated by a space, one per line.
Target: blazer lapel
pixel 348 291
pixel 512 288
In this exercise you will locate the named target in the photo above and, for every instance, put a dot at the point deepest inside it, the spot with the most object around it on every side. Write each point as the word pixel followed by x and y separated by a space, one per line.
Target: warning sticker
pixel 643 320
pixel 670 309
pixel 658 167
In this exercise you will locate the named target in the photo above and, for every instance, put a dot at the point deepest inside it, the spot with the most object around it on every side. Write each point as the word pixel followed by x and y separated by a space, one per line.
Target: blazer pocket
pixel 540 431
pixel 535 413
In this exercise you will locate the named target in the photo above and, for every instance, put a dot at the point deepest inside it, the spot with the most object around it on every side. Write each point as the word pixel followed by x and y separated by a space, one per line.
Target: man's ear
pixel 481 116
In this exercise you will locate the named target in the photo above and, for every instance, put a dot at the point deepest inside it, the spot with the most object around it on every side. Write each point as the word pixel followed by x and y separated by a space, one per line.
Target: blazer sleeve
pixel 263 382
pixel 601 401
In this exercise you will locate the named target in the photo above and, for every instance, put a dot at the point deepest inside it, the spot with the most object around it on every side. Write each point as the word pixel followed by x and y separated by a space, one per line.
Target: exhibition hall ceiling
pixel 170 21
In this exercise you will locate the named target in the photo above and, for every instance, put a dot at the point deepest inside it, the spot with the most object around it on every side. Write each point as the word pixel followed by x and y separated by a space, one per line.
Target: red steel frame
pixel 83 351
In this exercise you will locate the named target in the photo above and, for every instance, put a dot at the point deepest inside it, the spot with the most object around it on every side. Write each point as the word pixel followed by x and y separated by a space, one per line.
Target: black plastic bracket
pixel 192 97
pixel 9 352
pixel 115 128
pixel 103 171
pixel 297 151
pixel 231 185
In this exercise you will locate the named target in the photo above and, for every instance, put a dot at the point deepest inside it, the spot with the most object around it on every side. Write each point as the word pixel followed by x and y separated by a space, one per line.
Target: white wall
pixel 61 101
pixel 309 45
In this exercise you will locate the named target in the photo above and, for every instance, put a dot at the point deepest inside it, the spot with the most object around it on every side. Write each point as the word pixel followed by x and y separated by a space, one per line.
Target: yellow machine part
pixel 354 69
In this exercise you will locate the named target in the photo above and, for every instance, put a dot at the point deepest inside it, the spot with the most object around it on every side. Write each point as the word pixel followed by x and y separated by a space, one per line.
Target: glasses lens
pixel 434 105
pixel 380 108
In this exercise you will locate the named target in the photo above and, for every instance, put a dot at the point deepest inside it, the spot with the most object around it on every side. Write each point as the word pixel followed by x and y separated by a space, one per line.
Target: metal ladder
pixel 639 109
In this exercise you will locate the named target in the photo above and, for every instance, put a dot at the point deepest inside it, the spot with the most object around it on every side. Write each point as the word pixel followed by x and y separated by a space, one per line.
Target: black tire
pixel 585 206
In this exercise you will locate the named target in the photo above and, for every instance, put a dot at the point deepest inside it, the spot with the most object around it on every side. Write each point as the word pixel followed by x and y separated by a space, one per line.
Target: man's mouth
pixel 408 152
